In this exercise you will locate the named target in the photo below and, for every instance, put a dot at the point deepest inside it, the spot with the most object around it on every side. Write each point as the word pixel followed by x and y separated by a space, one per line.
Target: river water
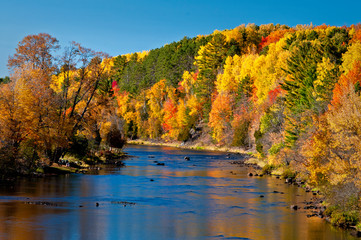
pixel 204 198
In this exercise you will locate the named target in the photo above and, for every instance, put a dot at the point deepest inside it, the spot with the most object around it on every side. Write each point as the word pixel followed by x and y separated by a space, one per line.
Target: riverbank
pixel 207 195
pixel 190 145
pixel 316 208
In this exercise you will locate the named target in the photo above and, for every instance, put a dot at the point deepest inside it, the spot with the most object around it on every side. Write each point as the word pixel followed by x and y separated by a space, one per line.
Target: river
pixel 206 197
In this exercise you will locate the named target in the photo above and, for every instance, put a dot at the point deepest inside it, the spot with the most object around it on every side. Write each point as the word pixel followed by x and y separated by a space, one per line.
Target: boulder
pixel 294 207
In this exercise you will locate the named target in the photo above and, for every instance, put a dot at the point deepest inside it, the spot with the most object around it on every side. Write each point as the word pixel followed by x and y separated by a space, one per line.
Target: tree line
pixel 290 94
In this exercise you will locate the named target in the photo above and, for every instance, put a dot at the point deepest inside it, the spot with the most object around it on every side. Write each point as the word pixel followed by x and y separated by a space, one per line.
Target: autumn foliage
pixel 291 95
pixel 47 105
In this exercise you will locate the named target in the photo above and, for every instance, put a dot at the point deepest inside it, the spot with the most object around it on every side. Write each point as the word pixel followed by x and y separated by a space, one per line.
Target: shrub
pixel 344 219
pixel 268 168
pixel 276 148
pixel 240 136
pixel 288 173
pixel 79 146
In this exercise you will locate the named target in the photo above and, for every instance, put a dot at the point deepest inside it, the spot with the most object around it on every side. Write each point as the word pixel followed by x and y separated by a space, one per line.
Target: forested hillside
pixel 289 94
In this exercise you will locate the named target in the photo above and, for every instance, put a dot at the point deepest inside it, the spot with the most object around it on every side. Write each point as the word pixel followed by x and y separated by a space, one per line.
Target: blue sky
pixel 124 26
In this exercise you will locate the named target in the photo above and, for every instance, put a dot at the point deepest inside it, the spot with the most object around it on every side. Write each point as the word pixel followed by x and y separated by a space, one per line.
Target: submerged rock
pixel 124 203
pixel 294 207
pixel 288 180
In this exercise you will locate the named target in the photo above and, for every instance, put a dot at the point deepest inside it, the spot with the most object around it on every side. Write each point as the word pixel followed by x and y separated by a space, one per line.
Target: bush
pixel 115 138
pixel 240 136
pixel 288 173
pixel 79 146
pixel 328 212
pixel 276 148
pixel 259 147
pixel 344 219
pixel 268 168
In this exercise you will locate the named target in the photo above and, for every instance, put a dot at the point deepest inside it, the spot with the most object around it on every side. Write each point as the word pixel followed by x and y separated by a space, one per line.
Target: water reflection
pixel 204 198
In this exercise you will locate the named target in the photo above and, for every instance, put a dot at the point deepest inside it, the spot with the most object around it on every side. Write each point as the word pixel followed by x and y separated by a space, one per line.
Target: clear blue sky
pixel 124 26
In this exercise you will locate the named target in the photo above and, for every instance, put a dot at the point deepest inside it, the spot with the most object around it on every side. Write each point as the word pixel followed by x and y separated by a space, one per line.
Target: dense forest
pixel 291 95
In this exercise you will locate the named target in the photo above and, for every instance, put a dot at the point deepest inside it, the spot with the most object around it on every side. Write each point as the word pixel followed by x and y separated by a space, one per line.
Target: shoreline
pixel 252 160
pixel 315 205
pixel 195 146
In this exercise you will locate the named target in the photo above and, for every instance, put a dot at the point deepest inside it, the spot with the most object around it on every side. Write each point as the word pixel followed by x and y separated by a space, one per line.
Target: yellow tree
pixel 333 151
pixel 32 66
pixel 58 106
pixel 156 97
pixel 83 72
pixel 220 117
pixel 268 70
pixel 12 130
pixel 353 54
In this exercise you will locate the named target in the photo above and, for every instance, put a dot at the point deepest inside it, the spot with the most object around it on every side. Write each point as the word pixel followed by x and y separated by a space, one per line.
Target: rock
pixel 294 207
pixel 275 191
pixel 355 233
pixel 288 180
pixel 261 175
pixel 256 175
pixel 261 196
pixel 250 174
pixel 160 164
pixel 124 203
pixel 119 163
pixel 320 214
pixel 187 158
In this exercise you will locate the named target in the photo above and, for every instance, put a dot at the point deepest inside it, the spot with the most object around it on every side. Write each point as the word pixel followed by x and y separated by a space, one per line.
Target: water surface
pixel 204 198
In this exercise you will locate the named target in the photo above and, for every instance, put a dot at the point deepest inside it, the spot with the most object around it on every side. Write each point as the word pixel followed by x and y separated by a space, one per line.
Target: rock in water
pixel 294 207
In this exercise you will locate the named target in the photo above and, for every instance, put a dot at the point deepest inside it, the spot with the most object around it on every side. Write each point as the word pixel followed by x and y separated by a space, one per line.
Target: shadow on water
pixel 203 198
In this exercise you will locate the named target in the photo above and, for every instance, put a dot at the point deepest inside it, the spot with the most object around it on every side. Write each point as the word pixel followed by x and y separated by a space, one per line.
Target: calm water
pixel 204 198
